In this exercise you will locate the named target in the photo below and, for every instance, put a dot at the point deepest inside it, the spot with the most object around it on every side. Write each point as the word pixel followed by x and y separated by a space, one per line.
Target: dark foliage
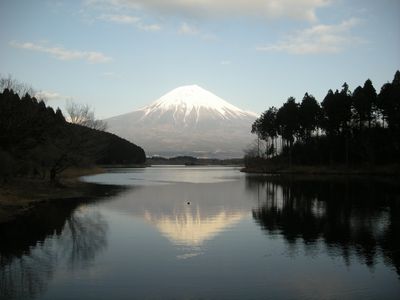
pixel 37 141
pixel 362 128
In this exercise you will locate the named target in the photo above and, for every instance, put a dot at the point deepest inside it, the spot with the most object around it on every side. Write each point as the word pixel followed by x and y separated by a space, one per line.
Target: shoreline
pixel 21 196
pixel 339 170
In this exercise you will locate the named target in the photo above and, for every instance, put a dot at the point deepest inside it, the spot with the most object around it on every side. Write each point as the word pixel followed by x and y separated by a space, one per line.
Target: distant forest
pixel 193 161
pixel 348 128
pixel 36 141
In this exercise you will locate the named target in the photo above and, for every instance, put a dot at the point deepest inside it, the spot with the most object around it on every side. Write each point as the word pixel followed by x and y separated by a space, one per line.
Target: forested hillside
pixel 347 128
pixel 37 141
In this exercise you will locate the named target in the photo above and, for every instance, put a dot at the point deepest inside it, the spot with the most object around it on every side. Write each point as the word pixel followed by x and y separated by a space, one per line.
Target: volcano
pixel 188 120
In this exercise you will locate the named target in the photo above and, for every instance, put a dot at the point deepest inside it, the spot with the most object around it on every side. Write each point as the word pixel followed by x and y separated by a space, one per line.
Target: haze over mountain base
pixel 187 121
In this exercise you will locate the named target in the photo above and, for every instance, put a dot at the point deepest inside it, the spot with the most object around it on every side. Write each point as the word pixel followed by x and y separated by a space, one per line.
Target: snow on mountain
pixel 188 120
pixel 192 99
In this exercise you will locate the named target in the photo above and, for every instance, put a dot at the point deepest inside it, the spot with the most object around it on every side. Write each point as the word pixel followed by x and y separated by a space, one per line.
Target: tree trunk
pixel 347 149
pixel 53 175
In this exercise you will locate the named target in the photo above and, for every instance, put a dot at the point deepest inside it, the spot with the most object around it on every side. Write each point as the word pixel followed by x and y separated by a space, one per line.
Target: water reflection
pixel 237 238
pixel 191 227
pixel 83 237
pixel 351 217
pixel 187 214
pixel 33 247
pixel 162 175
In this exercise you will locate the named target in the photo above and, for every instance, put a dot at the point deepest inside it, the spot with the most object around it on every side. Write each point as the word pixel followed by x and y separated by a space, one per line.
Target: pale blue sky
pixel 119 55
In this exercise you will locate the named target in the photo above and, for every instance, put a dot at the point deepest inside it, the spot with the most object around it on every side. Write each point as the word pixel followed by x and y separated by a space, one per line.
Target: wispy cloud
pixel 188 29
pixel 64 54
pixel 121 19
pixel 49 96
pixel 149 27
pixel 129 20
pixel 296 9
pixel 317 39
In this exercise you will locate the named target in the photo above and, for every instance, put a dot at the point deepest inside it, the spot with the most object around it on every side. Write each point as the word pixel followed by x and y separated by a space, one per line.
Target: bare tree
pixel 18 87
pixel 83 114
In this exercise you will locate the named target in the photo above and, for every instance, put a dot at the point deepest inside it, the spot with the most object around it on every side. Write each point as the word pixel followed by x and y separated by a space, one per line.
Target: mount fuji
pixel 188 120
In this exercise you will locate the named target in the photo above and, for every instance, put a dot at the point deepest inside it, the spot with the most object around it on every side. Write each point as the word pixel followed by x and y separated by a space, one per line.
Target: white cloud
pixel 149 27
pixel 49 96
pixel 317 39
pixel 187 29
pixel 296 9
pixel 130 20
pixel 122 19
pixel 64 54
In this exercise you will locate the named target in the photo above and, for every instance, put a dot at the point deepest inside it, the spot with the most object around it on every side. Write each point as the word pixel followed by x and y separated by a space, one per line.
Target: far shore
pixel 387 170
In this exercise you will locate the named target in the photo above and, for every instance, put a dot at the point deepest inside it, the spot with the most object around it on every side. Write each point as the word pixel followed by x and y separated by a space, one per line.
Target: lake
pixel 172 232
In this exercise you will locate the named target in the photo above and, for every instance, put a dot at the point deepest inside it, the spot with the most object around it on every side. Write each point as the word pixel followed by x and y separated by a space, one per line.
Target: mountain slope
pixel 189 120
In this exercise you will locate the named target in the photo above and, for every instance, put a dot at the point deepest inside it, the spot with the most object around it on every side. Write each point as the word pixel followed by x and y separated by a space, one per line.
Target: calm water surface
pixel 209 233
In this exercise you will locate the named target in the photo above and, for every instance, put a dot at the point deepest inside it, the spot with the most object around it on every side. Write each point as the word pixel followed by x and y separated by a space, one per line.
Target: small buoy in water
pixel 188 203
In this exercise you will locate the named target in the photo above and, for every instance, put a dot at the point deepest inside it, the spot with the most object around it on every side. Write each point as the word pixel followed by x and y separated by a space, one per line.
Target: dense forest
pixel 347 128
pixel 37 141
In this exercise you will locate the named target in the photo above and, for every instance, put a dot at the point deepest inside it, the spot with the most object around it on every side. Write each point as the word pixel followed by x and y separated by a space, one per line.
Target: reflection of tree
pixel 26 276
pixel 351 217
pixel 73 237
pixel 83 237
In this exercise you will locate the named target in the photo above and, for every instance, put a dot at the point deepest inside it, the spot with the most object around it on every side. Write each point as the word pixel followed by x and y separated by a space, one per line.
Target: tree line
pixel 359 127
pixel 37 141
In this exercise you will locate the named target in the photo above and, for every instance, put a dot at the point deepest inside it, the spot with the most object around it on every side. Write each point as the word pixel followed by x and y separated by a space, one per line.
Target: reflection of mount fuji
pixel 212 209
pixel 190 228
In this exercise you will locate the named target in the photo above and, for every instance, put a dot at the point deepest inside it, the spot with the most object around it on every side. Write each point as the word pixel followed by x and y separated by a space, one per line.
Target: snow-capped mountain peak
pixel 193 99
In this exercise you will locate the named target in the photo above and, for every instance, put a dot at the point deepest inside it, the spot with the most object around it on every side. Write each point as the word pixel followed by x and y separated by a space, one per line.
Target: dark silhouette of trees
pixel 266 128
pixel 36 141
pixel 288 121
pixel 18 87
pixel 270 130
pixel 336 111
pixel 370 98
pixel 389 103
pixel 256 128
pixel 309 116
pixel 356 128
pixel 364 103
pixel 359 104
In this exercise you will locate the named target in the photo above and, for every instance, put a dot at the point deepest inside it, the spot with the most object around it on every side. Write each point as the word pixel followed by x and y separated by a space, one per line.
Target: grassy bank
pixel 19 196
